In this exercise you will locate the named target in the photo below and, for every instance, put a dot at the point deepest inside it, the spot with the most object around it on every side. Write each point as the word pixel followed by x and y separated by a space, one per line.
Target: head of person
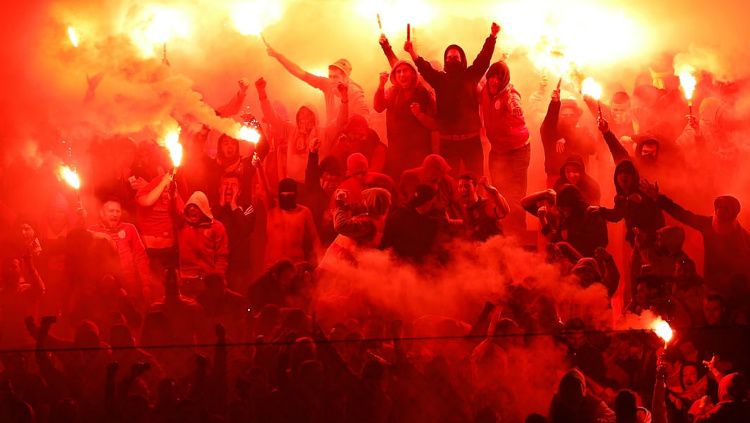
pixel 377 201
pixel 498 78
pixel 626 407
pixel 357 129
pixel 11 272
pixel 587 271
pixel 434 168
pixel 685 272
pixel 569 115
pixel 627 178
pixel 714 310
pixel 467 187
pixel 197 210
pixel 733 387
pixel 621 108
pixel 648 150
pixel 111 213
pixel 423 198
pixel 670 239
pixel 570 201
pixel 357 167
pixel 648 289
pixel 689 375
pixel 287 194
pixel 575 335
pixel 573 170
pixel 404 75
pixel 330 175
pixel 339 71
pixel 572 388
pixel 230 186
pixel 86 335
pixel 228 148
pixel 306 119
pixel 726 208
pixel 282 273
pixel 454 59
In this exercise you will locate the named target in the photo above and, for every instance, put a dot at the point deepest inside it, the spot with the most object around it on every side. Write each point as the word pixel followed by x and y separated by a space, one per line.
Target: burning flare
pixel 172 143
pixel 156 26
pixel 591 88
pixel 394 15
pixel 251 18
pixel 70 176
pixel 73 36
pixel 687 81
pixel 662 329
pixel 249 134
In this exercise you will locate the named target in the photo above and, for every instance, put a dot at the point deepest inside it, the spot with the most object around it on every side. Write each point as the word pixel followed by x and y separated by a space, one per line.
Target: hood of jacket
pixel 500 70
pixel 464 64
pixel 627 166
pixel 200 200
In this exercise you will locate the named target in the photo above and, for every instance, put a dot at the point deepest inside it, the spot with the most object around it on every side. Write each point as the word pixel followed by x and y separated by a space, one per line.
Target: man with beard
pixel 238 219
pixel 481 216
pixel 134 267
pixel 290 229
pixel 562 136
pixel 458 102
pixel 508 135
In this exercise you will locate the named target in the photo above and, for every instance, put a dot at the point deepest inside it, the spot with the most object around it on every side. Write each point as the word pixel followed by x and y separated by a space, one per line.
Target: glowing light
pixel 251 18
pixel 156 26
pixel 249 134
pixel 591 88
pixel 662 330
pixel 73 36
pixel 687 81
pixel 555 38
pixel 393 15
pixel 172 144
pixel 70 176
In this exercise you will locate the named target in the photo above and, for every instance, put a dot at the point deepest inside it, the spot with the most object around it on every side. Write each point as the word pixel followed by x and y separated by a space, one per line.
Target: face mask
pixel 452 66
pixel 288 202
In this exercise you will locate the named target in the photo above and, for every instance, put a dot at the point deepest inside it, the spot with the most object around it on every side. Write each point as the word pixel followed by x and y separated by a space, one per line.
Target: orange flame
pixel 249 134
pixel 591 88
pixel 172 143
pixel 687 81
pixel 70 176
pixel 662 329
pixel 73 36
pixel 250 18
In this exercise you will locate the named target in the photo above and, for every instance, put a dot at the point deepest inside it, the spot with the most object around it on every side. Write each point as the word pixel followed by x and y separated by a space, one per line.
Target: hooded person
pixel 358 137
pixel 573 172
pixel 572 403
pixel 562 135
pixel 733 405
pixel 434 171
pixel 357 231
pixel 296 140
pixel 204 245
pixel 510 150
pixel 726 244
pixel 583 230
pixel 409 117
pixel 457 100
pixel 359 177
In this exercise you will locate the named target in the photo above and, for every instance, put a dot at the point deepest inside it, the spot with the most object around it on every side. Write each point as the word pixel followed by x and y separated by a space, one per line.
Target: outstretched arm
pixel 482 61
pixel 233 106
pixel 429 73
pixel 388 50
pixel 314 81
pixel 619 153
pixel 500 207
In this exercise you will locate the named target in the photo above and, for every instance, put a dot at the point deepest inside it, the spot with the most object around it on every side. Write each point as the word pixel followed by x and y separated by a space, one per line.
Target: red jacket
pixel 503 120
pixel 204 248
pixel 133 259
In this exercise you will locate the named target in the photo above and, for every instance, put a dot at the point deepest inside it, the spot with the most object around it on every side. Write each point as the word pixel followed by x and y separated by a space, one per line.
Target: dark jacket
pixel 638 209
pixel 579 142
pixel 583 230
pixel 239 227
pixel 411 235
pixel 588 186
pixel 317 200
pixel 456 92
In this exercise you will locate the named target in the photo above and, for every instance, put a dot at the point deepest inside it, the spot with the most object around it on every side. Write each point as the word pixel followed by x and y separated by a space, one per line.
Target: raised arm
pixel 482 61
pixel 532 202
pixel 619 153
pixel 269 114
pixel 548 129
pixel 233 106
pixel 500 205
pixel 429 73
pixel 345 224
pixel 687 217
pixel 388 50
pixel 314 81
pixel 380 103
pixel 149 198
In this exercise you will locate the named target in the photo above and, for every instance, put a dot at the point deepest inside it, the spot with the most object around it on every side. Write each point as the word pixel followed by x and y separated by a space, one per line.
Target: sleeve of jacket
pixel 139 254
pixel 389 54
pixel 345 224
pixel 429 73
pixel 221 246
pixel 548 129
pixel 695 221
pixel 482 61
pixel 619 153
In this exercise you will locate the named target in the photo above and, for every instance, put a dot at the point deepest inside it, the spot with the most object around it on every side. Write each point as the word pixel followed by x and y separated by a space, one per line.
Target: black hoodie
pixel 456 91
pixel 587 185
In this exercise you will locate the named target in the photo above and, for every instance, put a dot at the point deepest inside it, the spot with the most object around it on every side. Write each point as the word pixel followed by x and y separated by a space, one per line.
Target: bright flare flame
pixel 251 18
pixel 591 88
pixel 156 26
pixel 687 81
pixel 172 143
pixel 662 330
pixel 249 134
pixel 70 176
pixel 73 36
pixel 395 14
